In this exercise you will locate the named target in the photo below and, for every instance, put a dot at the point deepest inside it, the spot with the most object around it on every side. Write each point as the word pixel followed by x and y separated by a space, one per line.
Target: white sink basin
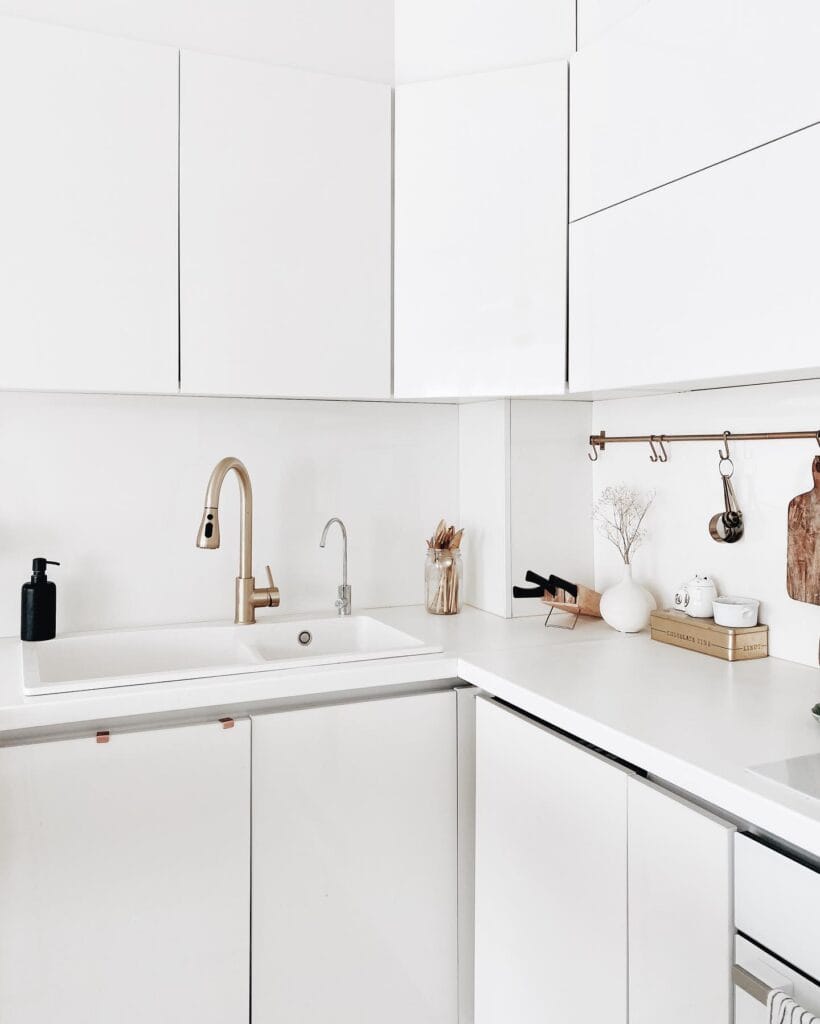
pixel 799 773
pixel 93 661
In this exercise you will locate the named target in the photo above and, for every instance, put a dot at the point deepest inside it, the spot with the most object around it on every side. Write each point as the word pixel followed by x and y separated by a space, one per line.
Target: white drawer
pixel 777 904
pixel 768 970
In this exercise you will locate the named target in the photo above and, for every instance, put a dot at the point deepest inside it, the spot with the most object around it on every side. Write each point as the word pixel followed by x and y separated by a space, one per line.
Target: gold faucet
pixel 249 597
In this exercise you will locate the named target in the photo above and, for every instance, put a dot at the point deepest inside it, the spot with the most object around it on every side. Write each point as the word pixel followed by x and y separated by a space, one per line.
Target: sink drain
pixel 305 637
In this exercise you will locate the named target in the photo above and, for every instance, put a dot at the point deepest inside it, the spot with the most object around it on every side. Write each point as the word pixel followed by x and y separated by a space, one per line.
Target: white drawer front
pixel 774 974
pixel 777 903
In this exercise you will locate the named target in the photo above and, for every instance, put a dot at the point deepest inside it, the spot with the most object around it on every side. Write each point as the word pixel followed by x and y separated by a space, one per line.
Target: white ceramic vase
pixel 627 606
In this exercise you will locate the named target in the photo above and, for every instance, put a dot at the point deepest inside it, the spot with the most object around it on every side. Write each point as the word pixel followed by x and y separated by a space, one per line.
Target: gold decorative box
pixel 732 643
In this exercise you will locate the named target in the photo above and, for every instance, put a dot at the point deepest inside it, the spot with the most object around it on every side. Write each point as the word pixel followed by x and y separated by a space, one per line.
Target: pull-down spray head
pixel 208 536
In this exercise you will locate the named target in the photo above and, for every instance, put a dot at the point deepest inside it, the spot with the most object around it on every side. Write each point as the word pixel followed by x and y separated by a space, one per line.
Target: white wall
pixel 768 474
pixel 435 39
pixel 484 503
pixel 596 17
pixel 351 38
pixel 550 494
pixel 379 40
pixel 113 487
pixel 525 494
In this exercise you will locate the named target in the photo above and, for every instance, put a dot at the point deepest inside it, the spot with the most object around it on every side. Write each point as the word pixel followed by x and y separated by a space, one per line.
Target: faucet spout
pixel 209 533
pixel 343 601
pixel 248 596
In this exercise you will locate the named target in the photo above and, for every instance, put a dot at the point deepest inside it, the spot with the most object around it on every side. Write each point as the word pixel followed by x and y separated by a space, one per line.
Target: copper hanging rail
pixel 598 442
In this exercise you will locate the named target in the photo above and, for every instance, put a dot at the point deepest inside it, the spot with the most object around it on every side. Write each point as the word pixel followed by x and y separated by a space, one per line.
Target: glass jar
pixel 442 581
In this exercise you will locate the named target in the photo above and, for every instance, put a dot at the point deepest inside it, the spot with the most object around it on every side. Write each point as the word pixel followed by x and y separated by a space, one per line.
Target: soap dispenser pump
pixel 38 608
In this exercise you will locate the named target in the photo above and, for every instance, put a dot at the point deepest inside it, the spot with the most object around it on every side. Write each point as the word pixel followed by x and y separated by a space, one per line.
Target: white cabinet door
pixel 711 279
pixel 480 234
pixel 354 854
pixel 681 924
pixel 284 231
pixel 679 86
pixel 124 878
pixel 88 211
pixel 551 877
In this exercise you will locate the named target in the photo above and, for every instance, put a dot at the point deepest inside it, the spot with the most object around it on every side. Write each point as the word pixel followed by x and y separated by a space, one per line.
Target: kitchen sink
pixel 798 773
pixel 93 661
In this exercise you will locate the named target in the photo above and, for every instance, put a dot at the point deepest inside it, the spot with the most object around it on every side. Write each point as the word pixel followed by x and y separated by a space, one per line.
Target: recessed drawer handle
pixel 751 985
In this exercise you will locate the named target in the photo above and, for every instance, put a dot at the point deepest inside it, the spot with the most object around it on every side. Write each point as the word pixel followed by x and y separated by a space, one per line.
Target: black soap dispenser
pixel 38 608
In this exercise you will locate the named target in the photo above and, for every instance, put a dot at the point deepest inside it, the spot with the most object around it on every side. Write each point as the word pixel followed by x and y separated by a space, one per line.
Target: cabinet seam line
pixel 179 220
pixel 697 170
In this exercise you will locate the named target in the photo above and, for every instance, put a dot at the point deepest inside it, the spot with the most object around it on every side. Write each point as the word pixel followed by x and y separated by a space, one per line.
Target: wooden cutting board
pixel 803 571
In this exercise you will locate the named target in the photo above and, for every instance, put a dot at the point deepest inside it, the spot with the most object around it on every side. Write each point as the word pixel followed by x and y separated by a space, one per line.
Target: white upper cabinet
pixel 88 211
pixel 480 234
pixel 551 876
pixel 710 279
pixel 681 924
pixel 124 878
pixel 676 87
pixel 285 184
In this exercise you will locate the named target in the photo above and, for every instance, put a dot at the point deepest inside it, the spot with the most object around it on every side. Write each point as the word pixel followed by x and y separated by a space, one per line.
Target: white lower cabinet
pixel 124 877
pixel 551 877
pixel 355 863
pixel 598 895
pixel 681 929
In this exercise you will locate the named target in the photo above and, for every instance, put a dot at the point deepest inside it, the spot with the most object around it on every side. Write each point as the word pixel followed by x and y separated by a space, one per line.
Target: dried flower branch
pixel 618 515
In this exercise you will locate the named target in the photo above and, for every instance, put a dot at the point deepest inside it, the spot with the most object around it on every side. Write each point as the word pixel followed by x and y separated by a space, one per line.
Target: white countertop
pixel 694 722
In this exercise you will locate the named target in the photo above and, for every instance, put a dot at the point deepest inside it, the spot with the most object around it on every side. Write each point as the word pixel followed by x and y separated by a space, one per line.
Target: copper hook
pixel 654 457
pixel 726 435
pixel 664 456
pixel 593 455
pixel 817 438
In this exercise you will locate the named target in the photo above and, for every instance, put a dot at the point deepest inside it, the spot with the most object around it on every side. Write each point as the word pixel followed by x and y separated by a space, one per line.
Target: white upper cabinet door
pixel 681 921
pixel 710 279
pixel 124 878
pixel 355 863
pixel 480 234
pixel 88 211
pixel 679 86
pixel 284 232
pixel 551 877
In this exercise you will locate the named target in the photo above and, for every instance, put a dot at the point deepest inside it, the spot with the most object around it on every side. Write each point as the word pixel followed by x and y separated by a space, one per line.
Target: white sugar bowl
pixel 735 611
pixel 696 597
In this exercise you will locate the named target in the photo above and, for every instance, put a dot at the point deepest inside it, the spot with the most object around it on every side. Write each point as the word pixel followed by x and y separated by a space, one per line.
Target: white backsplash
pixel 550 490
pixel 113 488
pixel 768 474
